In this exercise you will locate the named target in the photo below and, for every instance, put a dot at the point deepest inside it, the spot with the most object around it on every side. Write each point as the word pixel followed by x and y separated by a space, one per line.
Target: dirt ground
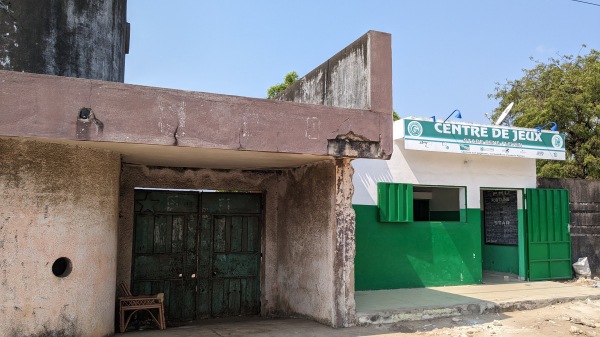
pixel 577 318
pixel 580 318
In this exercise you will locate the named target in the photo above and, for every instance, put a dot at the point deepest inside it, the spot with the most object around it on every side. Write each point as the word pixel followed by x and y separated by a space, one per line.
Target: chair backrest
pixel 125 288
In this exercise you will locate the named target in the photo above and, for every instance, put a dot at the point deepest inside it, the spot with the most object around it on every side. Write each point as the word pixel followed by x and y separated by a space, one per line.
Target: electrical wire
pixel 587 3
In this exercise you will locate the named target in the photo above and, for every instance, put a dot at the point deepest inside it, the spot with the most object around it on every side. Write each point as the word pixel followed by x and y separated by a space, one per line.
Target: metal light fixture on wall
pixel 553 128
pixel 458 115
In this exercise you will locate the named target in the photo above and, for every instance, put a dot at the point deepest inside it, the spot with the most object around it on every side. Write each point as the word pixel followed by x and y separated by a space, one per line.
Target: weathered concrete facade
pixel 74 38
pixel 345 244
pixel 57 201
pixel 299 238
pixel 305 243
pixel 585 217
pixel 174 118
pixel 298 155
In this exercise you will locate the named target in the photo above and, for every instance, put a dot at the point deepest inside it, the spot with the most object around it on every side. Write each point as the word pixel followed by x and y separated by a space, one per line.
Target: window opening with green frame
pixel 399 202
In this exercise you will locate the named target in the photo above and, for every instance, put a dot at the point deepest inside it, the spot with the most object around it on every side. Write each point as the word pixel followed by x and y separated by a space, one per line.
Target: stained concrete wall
pixel 358 77
pixel 584 200
pixel 57 201
pixel 75 38
pixel 305 242
pixel 305 270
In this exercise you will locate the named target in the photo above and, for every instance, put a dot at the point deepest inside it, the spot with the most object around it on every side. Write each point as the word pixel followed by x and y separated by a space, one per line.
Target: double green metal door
pixel 548 237
pixel 202 250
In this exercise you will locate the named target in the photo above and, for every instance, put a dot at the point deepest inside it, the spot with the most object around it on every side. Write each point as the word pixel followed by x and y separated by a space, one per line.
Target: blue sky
pixel 446 54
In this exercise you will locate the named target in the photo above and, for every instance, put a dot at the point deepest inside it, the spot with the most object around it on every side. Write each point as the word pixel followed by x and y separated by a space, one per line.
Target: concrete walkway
pixel 376 308
pixel 497 294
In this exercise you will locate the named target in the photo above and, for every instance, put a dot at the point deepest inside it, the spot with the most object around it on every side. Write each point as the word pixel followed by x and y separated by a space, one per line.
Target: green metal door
pixel 234 246
pixel 207 268
pixel 548 237
pixel 164 249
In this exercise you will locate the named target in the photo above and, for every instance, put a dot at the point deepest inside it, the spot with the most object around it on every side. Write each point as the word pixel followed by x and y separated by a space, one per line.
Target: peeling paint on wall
pixel 345 247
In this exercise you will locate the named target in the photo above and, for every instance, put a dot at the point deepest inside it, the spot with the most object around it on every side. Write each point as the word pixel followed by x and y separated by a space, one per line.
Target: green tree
pixel 395 116
pixel 290 78
pixel 564 90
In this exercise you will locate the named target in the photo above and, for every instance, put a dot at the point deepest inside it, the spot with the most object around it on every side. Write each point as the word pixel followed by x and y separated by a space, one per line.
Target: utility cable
pixel 587 3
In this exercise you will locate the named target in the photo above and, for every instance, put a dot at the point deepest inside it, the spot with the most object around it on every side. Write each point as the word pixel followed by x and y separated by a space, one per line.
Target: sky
pixel 446 55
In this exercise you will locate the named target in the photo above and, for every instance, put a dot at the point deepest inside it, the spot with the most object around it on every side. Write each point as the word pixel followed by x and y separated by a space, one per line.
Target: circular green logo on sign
pixel 557 141
pixel 415 129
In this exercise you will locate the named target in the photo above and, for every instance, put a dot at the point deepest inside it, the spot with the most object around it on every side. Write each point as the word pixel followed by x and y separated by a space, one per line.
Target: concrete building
pixel 457 199
pixel 103 182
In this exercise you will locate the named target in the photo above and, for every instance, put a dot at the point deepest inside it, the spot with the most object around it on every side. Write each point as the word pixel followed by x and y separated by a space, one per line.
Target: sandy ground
pixel 580 318
pixel 577 318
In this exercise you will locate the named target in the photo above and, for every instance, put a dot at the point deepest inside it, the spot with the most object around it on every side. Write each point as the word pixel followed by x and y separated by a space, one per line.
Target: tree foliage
pixel 565 90
pixel 290 78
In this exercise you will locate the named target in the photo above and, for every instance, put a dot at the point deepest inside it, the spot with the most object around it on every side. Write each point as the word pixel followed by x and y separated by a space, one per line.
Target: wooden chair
pixel 137 303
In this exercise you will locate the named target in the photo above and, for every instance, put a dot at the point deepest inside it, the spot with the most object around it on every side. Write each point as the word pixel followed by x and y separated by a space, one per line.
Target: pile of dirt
pixel 586 282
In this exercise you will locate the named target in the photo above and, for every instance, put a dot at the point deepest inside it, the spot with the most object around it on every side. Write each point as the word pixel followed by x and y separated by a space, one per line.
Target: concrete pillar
pixel 58 239
pixel 345 245
pixel 75 38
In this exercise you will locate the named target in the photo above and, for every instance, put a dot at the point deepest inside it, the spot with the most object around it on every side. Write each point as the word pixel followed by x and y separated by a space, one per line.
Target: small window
pixel 439 203
pixel 408 203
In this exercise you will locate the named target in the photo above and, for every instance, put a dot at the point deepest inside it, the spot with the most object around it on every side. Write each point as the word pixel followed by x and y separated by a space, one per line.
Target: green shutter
pixel 395 202
pixel 549 241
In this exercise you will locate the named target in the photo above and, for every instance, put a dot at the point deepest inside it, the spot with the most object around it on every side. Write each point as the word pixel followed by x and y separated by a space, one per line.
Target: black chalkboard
pixel 500 217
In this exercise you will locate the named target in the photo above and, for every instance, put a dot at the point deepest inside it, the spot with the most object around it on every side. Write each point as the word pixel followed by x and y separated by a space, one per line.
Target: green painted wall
pixel 505 259
pixel 416 254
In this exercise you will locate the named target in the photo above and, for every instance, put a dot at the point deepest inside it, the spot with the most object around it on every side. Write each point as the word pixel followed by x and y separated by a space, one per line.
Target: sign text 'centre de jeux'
pixel 483 139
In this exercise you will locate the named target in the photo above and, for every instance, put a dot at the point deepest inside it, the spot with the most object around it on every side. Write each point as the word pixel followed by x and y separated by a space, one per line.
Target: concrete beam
pixel 58 108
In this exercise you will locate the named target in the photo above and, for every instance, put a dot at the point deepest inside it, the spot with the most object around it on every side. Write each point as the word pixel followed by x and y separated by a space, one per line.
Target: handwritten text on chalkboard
pixel 500 217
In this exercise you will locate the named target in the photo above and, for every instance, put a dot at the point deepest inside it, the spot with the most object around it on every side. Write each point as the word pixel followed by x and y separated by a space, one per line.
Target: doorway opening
pixel 202 249
pixel 502 221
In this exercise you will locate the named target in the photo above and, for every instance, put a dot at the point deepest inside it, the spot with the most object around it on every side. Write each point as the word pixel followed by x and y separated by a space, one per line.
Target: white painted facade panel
pixel 441 169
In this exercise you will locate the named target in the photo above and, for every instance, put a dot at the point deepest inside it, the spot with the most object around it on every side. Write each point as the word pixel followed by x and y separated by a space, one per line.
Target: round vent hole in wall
pixel 62 267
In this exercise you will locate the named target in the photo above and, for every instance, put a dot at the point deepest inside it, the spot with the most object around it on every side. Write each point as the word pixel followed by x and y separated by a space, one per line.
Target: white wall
pixel 444 169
